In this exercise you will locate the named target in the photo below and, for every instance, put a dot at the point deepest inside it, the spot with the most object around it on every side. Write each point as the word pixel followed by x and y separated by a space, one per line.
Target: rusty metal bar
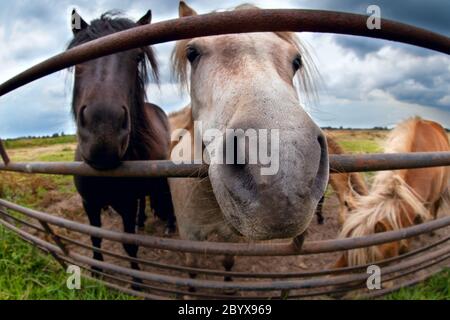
pixel 54 236
pixel 132 169
pixel 417 269
pixel 235 274
pixel 23 222
pixel 140 169
pixel 264 275
pixel 242 21
pixel 244 286
pixel 413 282
pixel 238 249
pixel 221 23
pixel 256 286
pixel 345 290
pixel 172 291
pixel 388 161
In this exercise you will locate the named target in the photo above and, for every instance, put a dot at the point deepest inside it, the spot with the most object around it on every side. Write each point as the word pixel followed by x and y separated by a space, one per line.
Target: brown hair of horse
pixel 400 198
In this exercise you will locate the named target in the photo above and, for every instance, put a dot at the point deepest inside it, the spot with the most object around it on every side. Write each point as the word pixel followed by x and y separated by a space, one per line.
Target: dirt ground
pixel 71 208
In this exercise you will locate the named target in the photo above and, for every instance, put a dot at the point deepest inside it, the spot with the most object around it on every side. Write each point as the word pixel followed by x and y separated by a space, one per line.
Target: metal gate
pixel 165 280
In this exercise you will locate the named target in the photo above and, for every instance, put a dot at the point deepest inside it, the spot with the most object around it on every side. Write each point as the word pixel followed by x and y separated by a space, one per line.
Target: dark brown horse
pixel 115 124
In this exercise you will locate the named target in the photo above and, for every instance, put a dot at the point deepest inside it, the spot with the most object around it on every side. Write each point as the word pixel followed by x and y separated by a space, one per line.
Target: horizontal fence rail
pixel 441 254
pixel 237 249
pixel 242 21
pixel 140 169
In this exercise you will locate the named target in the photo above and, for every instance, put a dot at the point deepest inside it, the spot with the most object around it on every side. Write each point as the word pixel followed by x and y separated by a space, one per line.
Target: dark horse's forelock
pixel 109 23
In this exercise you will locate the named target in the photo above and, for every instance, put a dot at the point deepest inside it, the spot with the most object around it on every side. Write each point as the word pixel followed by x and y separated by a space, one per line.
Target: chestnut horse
pixel 346 185
pixel 400 198
pixel 246 81
pixel 114 124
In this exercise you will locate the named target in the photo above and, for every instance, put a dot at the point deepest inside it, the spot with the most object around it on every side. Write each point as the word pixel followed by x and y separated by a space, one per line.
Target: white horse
pixel 246 81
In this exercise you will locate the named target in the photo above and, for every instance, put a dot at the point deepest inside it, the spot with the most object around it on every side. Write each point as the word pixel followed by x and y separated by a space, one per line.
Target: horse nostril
pixel 81 117
pixel 322 176
pixel 321 140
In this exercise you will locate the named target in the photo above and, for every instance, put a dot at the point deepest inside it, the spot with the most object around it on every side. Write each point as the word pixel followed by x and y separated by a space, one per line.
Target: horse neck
pixel 141 136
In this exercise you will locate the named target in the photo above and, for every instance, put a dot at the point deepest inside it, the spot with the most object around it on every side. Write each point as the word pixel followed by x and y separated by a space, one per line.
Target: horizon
pixel 64 134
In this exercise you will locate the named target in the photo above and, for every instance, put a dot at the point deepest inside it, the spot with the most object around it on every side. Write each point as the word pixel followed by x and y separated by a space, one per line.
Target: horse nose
pixel 126 121
pixel 104 133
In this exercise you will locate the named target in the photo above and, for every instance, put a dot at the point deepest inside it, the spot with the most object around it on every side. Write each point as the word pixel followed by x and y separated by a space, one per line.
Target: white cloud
pixel 377 88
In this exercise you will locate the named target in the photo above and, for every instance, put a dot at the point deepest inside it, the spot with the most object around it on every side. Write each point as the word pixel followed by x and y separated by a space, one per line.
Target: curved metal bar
pixel 222 23
pixel 238 249
pixel 254 286
pixel 130 169
pixel 413 282
pixel 208 284
pixel 150 169
pixel 265 275
pixel 234 274
pixel 387 161
pixel 243 21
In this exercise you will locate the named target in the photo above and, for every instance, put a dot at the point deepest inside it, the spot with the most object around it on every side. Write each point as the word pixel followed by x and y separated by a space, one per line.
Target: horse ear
pixel 77 22
pixel 185 10
pixel 146 19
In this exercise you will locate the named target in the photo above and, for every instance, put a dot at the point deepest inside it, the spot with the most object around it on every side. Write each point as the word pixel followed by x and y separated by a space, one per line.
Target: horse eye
pixel 297 63
pixel 192 54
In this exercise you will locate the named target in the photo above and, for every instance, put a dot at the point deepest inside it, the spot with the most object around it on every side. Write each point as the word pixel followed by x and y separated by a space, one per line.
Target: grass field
pixel 42 142
pixel 26 273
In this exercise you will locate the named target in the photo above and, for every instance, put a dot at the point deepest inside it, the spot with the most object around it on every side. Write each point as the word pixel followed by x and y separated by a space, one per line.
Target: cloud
pixel 366 82
pixel 430 14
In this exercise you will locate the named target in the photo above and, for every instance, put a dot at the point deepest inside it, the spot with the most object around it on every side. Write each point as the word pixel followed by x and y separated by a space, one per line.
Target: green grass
pixel 35 142
pixel 28 274
pixel 361 146
pixel 436 288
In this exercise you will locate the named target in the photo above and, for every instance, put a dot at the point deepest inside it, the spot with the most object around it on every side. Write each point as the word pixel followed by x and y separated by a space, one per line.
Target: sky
pixel 364 82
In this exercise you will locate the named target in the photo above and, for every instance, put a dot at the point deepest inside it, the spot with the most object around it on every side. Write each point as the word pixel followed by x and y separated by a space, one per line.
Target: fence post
pixel 3 153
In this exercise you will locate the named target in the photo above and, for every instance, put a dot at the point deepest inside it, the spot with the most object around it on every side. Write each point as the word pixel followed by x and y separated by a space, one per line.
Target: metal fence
pixel 162 280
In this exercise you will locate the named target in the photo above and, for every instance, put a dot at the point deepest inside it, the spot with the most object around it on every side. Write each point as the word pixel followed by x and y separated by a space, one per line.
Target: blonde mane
pixel 306 77
pixel 401 138
pixel 388 201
